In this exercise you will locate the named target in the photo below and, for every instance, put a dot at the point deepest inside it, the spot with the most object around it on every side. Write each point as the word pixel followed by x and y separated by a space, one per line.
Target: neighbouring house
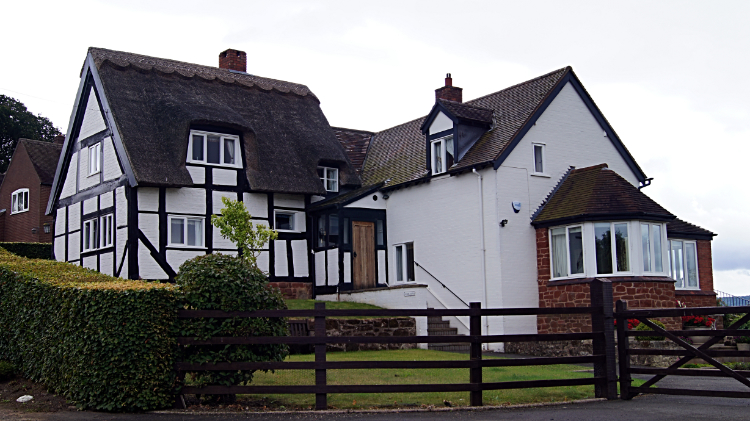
pixel 515 199
pixel 24 192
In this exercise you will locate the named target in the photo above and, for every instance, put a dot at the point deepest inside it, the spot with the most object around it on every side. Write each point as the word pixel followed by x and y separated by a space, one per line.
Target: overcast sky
pixel 671 77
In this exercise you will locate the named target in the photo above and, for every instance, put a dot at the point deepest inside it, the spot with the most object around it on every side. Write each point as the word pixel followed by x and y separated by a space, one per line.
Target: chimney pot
pixel 233 60
pixel 449 92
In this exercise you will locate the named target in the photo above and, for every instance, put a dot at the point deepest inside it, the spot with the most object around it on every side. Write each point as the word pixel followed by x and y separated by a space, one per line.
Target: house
pixel 502 199
pixel 152 147
pixel 24 192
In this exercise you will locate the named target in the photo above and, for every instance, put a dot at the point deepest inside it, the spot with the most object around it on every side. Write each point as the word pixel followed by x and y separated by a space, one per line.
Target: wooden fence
pixel 602 337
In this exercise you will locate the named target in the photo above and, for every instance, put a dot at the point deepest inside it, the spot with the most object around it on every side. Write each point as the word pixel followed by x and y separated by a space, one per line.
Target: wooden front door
pixel 363 256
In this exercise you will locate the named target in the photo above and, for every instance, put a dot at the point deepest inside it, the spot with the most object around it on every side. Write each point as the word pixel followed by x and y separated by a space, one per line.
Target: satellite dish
pixel 516 207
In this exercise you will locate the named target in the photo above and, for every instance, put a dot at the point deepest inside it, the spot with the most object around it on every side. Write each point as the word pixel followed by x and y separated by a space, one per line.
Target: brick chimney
pixel 233 60
pixel 59 139
pixel 449 92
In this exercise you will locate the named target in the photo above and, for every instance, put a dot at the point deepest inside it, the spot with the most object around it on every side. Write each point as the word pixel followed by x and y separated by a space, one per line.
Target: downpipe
pixel 482 248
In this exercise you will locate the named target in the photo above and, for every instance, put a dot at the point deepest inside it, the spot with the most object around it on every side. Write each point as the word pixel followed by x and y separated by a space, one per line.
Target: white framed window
pixel 683 264
pixel 566 245
pixel 330 178
pixel 284 221
pixel 98 232
pixel 538 154
pixel 441 151
pixel 19 201
pixel 95 158
pixel 651 247
pixel 612 247
pixel 213 149
pixel 186 231
pixel 403 257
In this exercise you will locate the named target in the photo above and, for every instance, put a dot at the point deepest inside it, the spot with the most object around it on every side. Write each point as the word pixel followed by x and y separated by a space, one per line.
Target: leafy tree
pixel 17 122
pixel 236 226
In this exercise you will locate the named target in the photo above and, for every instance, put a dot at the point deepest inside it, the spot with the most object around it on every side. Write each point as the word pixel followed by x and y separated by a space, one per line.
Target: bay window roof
pixel 682 229
pixel 597 193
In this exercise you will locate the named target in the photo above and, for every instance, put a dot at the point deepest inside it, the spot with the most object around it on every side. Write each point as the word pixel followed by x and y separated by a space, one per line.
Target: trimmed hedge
pixel 30 250
pixel 102 342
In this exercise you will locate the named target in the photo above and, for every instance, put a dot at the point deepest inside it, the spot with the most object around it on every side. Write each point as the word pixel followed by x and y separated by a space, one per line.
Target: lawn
pixel 330 305
pixel 416 376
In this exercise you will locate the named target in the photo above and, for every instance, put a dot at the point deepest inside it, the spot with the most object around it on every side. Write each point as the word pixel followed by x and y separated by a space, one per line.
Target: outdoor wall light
pixel 503 222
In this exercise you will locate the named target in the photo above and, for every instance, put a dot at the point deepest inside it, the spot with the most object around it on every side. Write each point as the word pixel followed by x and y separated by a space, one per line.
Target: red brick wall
pixel 705 266
pixel 233 60
pixel 18 227
pixel 294 290
pixel 450 93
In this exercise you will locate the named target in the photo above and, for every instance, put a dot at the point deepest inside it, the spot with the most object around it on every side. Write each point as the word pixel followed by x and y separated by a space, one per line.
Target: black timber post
pixel 475 373
pixel 623 350
pixel 604 343
pixel 321 399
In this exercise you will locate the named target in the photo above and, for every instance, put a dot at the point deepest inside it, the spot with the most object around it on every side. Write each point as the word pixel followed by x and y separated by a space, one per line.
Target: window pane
pixel 284 221
pixel 333 235
pixel 197 147
pixel 214 147
pixel 658 267
pixel 677 264
pixel 25 200
pixel 603 241
pixel 437 157
pixel 14 203
pixel 229 151
pixel 380 232
pixel 87 235
pixel 538 159
pixel 95 233
pixel 195 232
pixel 410 262
pixel 621 245
pixel 646 247
pixel 559 253
pixel 575 241
pixel 691 268
pixel 399 263
pixel 331 184
pixel 449 152
pixel 178 231
pixel 321 231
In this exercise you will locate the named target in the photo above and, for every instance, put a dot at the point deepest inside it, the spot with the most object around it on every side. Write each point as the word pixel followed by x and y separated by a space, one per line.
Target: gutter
pixel 482 247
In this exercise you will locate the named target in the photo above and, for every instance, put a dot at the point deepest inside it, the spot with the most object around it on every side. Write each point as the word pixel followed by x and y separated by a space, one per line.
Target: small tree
pixel 236 226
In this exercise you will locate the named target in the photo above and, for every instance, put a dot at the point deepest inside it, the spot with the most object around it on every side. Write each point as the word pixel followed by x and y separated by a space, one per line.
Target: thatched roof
pixel 155 102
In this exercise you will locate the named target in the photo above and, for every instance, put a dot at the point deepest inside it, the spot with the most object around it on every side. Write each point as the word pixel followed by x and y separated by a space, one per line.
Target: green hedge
pixel 30 250
pixel 102 342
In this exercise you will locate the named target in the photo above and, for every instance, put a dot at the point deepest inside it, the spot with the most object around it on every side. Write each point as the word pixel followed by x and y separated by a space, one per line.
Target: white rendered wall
pixel 186 201
pixel 368 203
pixel 84 179
pixel 280 258
pixel 177 257
pixel 149 226
pixel 256 204
pixel 148 268
pixel 106 200
pixel 263 261
pixel 70 187
pixel 347 267
pixel 111 165
pixel 320 268
pixel 296 201
pixel 106 262
pixel 93 121
pixel 218 205
pixel 90 205
pixel 299 258
pixel 148 199
pixel 441 123
pixel 333 266
pixel 224 177
pixel 60 221
pixel 74 245
pixel 74 217
pixel 121 207
pixel 198 174
pixel 382 273
pixel 124 271
pixel 122 238
pixel 89 262
pixel 60 249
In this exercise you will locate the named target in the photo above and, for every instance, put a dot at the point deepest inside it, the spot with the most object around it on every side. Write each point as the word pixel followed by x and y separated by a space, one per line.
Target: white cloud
pixel 735 282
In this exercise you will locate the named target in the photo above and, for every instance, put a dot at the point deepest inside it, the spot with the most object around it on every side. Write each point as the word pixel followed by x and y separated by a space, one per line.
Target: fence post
pixel 475 331
pixel 604 344
pixel 623 351
pixel 321 399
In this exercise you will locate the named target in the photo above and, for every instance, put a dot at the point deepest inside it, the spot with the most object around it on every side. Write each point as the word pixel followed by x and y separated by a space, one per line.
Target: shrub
pixel 102 342
pixel 221 282
pixel 642 327
pixel 7 371
pixel 30 250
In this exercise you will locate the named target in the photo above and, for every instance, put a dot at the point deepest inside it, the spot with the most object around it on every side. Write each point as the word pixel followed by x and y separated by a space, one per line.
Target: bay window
pixel 442 154
pixel 651 246
pixel 213 149
pixel 683 264
pixel 607 261
pixel 186 231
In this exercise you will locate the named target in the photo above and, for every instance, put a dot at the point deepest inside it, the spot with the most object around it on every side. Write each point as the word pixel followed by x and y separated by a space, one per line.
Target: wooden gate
pixel 627 391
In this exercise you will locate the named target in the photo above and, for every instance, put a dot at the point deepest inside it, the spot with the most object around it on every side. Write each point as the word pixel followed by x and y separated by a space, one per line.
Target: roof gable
pixel 44 157
pixel 597 193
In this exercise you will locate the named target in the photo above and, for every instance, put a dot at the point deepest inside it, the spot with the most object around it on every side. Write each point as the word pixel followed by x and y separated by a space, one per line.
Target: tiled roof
pixel 44 157
pixel 467 112
pixel 399 153
pixel 598 193
pixel 355 143
pixel 679 228
pixel 190 70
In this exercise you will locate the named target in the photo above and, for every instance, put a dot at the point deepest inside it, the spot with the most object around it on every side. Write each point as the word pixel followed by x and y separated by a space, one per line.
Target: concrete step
pixel 443 325
pixel 449 347
pixel 451 331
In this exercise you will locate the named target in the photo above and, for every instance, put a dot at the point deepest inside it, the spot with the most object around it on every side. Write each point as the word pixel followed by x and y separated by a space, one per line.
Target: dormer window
pixel 330 178
pixel 442 154
pixel 213 149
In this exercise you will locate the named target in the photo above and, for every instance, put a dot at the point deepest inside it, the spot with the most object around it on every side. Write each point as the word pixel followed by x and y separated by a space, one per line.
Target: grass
pixel 331 305
pixel 423 376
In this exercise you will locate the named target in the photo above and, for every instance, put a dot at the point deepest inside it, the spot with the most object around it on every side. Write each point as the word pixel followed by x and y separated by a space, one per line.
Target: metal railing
pixel 730 300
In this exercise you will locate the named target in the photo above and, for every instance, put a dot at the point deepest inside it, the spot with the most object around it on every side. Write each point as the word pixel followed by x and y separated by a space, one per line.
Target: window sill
pixel 17 212
pixel 567 278
pixel 93 174
pixel 183 246
pixel 292 231
pixel 687 289
pixel 542 175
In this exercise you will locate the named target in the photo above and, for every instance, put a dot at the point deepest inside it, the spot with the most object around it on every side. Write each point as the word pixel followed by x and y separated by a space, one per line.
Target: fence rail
pixel 602 337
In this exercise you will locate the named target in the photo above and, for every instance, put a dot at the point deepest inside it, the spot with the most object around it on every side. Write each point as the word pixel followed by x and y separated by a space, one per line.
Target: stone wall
pixel 294 290
pixel 393 326
pixel 584 348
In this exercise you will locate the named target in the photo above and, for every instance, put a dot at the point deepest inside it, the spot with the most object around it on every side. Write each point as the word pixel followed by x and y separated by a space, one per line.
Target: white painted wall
pixel 218 205
pixel 224 177
pixel 440 123
pixel 149 225
pixel 148 199
pixel 89 262
pixel 147 266
pixel 90 205
pixel 263 261
pixel 198 174
pixel 347 267
pixel 70 187
pixel 74 217
pixel 220 242
pixel 320 268
pixel 177 257
pixel 299 258
pixel 60 220
pixel 296 201
pixel 121 238
pixel 84 179
pixel 60 248
pixel 280 258
pixel 333 266
pixel 106 262
pixel 124 271
pixel 111 166
pixel 93 121
pixel 368 203
pixel 256 204
pixel 107 199
pixel 382 273
pixel 186 200
pixel 121 208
